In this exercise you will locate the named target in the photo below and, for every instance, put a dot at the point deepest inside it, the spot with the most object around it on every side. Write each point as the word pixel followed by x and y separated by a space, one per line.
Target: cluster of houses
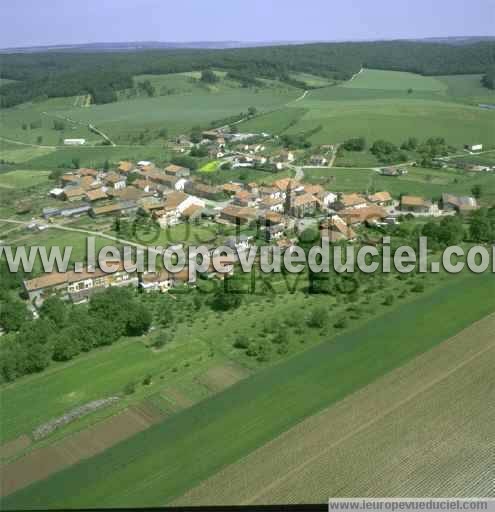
pixel 78 287
pixel 249 150
pixel 125 190
pixel 173 195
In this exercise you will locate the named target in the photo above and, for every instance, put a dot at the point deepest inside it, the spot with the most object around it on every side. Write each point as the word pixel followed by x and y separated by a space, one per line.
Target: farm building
pixel 350 201
pixel 177 171
pixel 125 207
pixel 415 204
pixel 74 193
pixel 381 198
pixel 474 147
pixel 368 214
pixel 74 142
pixel 460 204
pixel 393 171
pixel 334 229
pixel 304 204
pixel 238 215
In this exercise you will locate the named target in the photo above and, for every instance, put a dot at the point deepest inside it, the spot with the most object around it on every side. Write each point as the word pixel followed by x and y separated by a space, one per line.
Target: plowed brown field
pixel 425 429
pixel 42 462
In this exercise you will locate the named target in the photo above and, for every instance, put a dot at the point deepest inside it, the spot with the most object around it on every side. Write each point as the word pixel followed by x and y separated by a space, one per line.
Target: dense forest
pixel 102 74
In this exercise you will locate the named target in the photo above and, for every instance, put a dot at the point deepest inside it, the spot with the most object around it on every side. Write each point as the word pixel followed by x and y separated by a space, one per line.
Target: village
pixel 263 214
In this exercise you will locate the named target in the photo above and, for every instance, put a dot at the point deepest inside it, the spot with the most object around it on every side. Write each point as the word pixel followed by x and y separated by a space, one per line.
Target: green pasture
pixel 468 88
pixel 275 122
pixel 178 113
pixel 15 123
pixel 341 179
pixel 395 121
pixel 356 159
pixel 379 105
pixel 102 373
pixel 19 153
pixel 23 178
pixel 187 448
pixel 96 156
pixel 211 166
pixel 246 174
pixel 394 80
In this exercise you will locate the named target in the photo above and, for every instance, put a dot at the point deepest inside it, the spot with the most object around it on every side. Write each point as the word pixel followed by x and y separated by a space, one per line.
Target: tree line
pixel 55 74
pixel 488 79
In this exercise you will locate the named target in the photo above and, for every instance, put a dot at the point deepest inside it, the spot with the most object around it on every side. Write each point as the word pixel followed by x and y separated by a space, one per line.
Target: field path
pixel 301 462
pixel 303 95
pixel 79 230
pixel 25 143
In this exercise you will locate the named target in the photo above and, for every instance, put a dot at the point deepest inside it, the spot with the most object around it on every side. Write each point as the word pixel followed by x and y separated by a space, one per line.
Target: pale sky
pixel 50 22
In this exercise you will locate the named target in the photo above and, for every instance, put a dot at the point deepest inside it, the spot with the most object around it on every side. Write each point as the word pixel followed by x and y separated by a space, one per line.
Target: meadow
pixel 33 123
pixel 467 88
pixel 23 178
pixel 222 429
pixel 377 105
pixel 94 156
pixel 179 112
pixel 394 80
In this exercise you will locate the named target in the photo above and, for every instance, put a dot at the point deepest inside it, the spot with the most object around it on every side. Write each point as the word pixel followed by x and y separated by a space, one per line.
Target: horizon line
pixel 275 42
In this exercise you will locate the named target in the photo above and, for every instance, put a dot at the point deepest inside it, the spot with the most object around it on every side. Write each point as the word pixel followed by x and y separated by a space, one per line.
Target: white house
pixel 239 243
pixel 176 203
pixel 74 142
pixel 328 199
pixel 474 147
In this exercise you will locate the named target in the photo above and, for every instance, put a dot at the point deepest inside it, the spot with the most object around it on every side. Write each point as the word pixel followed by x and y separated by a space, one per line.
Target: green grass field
pixel 467 88
pixel 247 174
pixel 178 113
pixel 394 81
pixel 96 156
pixel 185 449
pixel 16 123
pixel 341 179
pixel 23 179
pixel 376 104
pixel 356 159
pixel 211 166
pixel 102 373
pixel 19 153
pixel 181 101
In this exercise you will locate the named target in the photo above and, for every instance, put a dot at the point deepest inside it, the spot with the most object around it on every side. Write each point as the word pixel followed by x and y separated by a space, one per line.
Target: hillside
pixel 101 74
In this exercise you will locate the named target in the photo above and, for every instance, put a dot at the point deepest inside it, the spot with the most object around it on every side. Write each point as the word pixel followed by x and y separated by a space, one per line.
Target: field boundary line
pixel 379 417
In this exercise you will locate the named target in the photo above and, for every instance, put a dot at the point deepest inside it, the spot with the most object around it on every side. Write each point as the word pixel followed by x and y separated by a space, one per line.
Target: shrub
pixel 341 324
pixel 241 341
pixel 389 300
pixel 130 388
pixel 418 288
